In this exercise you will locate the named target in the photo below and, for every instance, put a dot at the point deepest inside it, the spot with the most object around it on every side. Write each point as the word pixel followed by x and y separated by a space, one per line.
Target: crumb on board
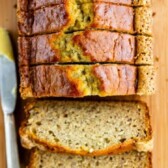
pixel 15 6
pixel 157 59
pixel 153 14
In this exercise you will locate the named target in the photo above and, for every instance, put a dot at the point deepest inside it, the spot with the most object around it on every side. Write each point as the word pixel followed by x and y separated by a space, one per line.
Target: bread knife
pixel 8 94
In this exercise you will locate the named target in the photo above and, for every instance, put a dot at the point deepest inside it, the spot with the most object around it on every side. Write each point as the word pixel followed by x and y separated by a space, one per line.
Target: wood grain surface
pixel 158 103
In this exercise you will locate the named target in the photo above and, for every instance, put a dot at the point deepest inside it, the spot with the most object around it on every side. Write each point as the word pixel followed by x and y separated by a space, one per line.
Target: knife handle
pixel 12 156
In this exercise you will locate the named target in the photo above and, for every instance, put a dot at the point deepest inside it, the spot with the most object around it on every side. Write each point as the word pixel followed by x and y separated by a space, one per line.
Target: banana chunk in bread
pixel 72 17
pixel 86 128
pixel 86 80
pixel 86 46
pixel 25 5
pixel 133 159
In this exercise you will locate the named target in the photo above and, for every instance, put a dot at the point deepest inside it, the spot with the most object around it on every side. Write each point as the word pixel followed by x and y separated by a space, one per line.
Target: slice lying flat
pixel 71 17
pixel 26 5
pixel 86 46
pixel 133 159
pixel 86 128
pixel 86 80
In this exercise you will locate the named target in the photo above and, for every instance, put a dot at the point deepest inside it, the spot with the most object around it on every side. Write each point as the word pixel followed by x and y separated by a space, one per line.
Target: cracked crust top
pixel 72 17
pixel 86 80
pixel 26 5
pixel 86 46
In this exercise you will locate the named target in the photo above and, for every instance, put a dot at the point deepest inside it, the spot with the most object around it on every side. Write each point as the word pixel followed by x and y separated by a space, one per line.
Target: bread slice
pixel 25 5
pixel 86 80
pixel 86 128
pixel 133 159
pixel 72 17
pixel 86 46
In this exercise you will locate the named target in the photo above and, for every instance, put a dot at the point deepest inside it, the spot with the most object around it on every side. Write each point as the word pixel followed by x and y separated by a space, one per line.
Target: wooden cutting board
pixel 158 103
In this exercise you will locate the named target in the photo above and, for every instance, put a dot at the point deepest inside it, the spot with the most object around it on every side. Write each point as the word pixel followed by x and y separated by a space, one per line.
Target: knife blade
pixel 8 87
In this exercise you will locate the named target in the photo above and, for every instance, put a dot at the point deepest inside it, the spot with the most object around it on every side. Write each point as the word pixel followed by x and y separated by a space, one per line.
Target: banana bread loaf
pixel 86 46
pixel 86 80
pixel 86 128
pixel 133 159
pixel 26 5
pixel 71 17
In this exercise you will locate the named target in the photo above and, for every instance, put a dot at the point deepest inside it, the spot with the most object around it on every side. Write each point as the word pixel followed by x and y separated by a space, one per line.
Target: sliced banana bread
pixel 72 17
pixel 26 5
pixel 133 159
pixel 86 127
pixel 86 80
pixel 86 46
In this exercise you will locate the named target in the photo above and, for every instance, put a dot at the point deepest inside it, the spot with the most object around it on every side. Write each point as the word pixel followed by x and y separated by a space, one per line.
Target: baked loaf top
pixel 86 80
pixel 72 17
pixel 86 46
pixel 133 159
pixel 26 5
pixel 86 128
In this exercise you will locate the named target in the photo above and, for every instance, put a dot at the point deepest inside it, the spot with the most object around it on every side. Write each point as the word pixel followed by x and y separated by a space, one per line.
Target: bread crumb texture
pixel 85 127
pixel 133 159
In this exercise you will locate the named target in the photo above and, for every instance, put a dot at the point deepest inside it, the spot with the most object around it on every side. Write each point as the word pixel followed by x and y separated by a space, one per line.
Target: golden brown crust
pixel 91 46
pixel 147 80
pixel 121 47
pixel 150 159
pixel 22 5
pixel 26 5
pixel 143 20
pixel 59 82
pixel 74 80
pixel 25 82
pixel 32 158
pixel 24 50
pixel 144 50
pixel 68 16
pixel 113 17
pixel 115 81
pixel 86 46
pixel 86 80
pixel 43 81
pixel 45 20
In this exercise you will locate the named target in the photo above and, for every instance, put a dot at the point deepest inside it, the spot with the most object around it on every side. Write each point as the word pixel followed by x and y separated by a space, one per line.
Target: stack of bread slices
pixel 79 48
